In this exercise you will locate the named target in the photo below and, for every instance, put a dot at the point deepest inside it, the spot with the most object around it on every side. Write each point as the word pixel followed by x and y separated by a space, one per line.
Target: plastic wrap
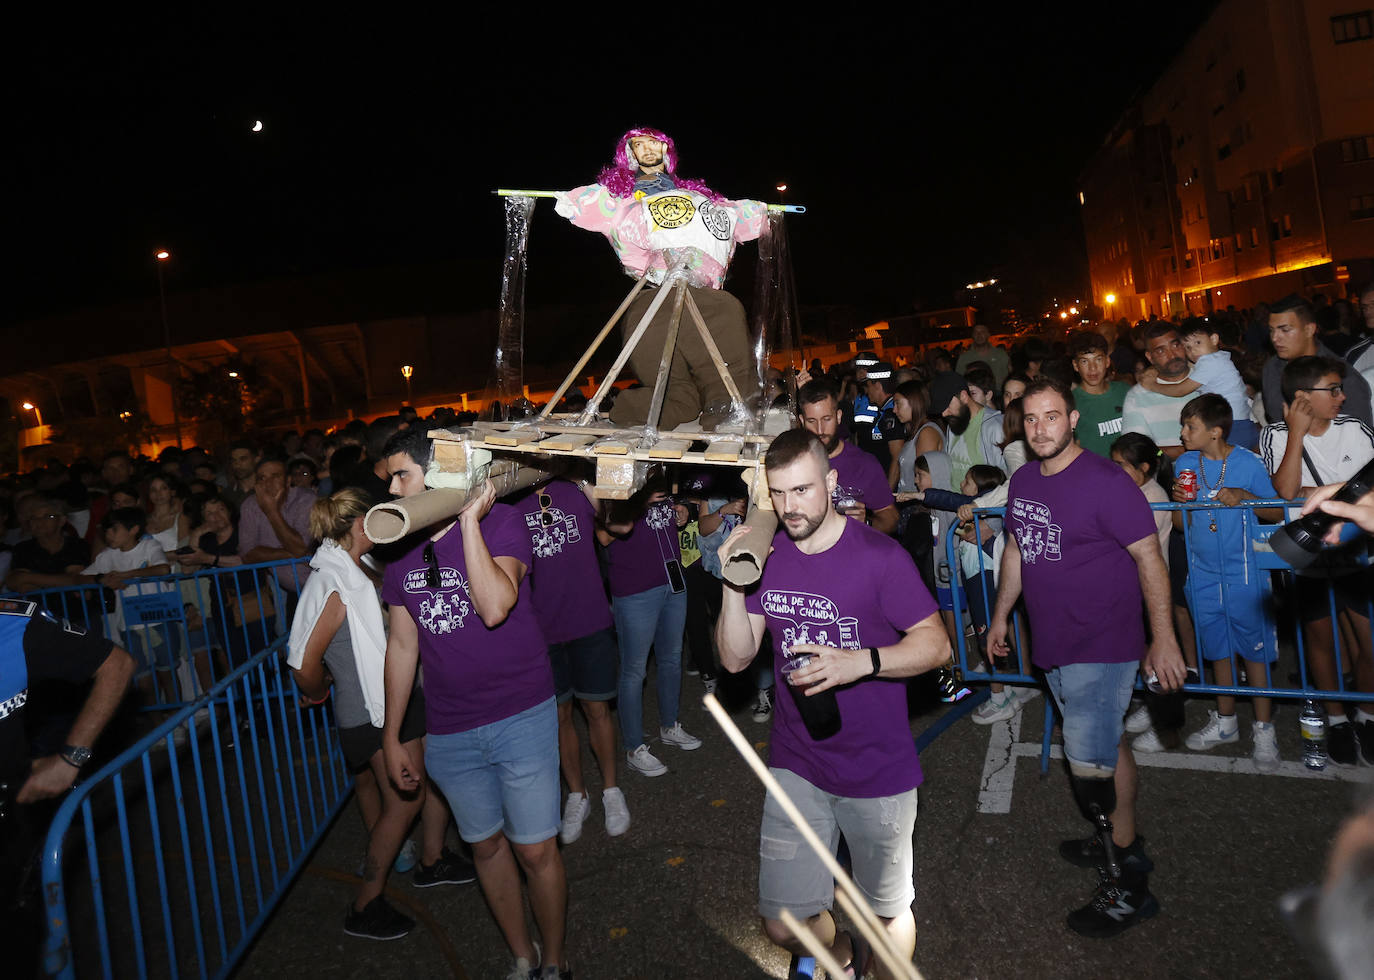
pixel 776 317
pixel 509 363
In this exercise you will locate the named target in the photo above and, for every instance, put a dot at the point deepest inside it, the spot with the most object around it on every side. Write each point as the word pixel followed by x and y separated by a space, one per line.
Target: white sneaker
pixel 1024 694
pixel 677 735
pixel 617 813
pixel 763 705
pixel 997 708
pixel 1266 752
pixel 644 762
pixel 575 812
pixel 1147 741
pixel 1211 735
pixel 522 968
pixel 1138 720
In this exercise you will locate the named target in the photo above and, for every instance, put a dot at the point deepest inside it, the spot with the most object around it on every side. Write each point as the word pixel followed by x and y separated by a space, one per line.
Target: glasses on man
pixel 432 572
pixel 1332 390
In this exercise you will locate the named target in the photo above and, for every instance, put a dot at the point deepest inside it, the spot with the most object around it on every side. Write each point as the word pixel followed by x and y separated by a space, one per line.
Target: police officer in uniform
pixel 36 647
pixel 874 437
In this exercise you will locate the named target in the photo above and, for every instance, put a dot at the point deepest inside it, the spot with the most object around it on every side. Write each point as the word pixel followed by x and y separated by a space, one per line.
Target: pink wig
pixel 620 178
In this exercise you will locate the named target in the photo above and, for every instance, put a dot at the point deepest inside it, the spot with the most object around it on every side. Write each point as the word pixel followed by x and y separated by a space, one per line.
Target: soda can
pixel 1187 484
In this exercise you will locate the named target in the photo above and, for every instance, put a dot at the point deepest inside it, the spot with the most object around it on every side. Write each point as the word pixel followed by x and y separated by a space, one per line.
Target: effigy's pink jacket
pixel 622 221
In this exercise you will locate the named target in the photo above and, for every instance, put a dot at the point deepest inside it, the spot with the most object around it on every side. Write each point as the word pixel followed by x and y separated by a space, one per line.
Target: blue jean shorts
pixel 1093 699
pixel 587 667
pixel 502 776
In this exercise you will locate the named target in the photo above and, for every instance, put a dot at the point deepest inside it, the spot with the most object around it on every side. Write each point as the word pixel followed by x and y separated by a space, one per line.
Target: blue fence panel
pixel 1281 611
pixel 187 630
pixel 176 883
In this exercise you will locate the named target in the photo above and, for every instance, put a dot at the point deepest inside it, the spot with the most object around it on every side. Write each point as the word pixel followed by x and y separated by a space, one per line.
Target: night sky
pixel 931 149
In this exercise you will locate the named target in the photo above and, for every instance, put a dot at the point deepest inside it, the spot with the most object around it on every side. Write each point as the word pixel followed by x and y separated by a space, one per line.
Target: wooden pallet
pixel 622 456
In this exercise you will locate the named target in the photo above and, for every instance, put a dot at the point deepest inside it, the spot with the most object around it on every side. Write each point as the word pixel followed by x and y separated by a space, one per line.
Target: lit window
pixel 1347 28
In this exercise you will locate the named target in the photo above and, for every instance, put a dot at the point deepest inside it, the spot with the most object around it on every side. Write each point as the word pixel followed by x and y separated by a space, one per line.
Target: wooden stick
pixel 893 964
pixel 714 351
pixel 866 921
pixel 666 362
pixel 813 945
pixel 630 343
pixel 576 372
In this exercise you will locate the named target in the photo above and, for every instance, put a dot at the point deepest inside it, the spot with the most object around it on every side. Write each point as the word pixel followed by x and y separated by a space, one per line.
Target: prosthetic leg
pixel 1097 799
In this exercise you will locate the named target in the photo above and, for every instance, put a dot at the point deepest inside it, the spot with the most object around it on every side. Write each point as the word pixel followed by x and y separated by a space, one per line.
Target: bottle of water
pixel 1313 722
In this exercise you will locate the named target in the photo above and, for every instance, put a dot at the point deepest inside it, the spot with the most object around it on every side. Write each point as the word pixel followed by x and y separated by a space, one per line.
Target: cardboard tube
pixel 395 519
pixel 743 564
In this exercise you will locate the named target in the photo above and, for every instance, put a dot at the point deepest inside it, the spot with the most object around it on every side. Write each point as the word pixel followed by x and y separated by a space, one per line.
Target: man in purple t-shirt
pixel 856 470
pixel 460 605
pixel 1082 549
pixel 862 635
pixel 570 604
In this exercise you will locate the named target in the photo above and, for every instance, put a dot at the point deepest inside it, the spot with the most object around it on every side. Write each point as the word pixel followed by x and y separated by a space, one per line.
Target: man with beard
pixel 1082 547
pixel 862 484
pixel 973 431
pixel 874 631
pixel 1153 413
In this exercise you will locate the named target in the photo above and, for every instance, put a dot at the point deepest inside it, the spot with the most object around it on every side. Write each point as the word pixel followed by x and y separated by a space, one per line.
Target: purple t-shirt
pixel 473 675
pixel 569 599
pixel 1081 585
pixel 635 563
pixel 859 470
pixel 818 599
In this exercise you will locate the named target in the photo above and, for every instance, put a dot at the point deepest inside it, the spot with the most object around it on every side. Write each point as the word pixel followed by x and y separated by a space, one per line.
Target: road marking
pixel 999 765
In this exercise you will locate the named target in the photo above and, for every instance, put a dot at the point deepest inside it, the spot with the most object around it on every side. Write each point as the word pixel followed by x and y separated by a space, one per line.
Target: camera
pixel 1299 542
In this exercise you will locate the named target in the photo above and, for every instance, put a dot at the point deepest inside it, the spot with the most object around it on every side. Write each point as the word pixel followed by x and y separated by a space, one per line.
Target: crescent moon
pixel 257 125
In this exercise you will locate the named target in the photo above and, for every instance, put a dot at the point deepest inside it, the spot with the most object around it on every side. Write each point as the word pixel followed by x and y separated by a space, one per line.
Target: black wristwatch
pixel 75 755
pixel 877 663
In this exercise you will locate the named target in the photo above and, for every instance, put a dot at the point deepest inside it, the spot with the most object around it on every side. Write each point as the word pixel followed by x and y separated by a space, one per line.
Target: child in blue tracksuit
pixel 1224 589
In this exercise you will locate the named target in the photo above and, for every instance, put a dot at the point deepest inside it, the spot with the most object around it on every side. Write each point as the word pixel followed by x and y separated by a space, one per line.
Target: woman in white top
pixel 911 402
pixel 166 523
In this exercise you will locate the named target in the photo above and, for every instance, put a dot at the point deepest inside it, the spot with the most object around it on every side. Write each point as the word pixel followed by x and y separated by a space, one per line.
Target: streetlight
pixel 162 255
pixel 406 372
pixel 31 407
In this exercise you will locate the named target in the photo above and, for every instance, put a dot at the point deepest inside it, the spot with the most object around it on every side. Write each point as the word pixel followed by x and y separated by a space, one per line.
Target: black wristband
pixel 877 662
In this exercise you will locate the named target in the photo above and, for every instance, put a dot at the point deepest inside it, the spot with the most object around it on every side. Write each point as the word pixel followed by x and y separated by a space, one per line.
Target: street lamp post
pixel 406 371
pixel 19 447
pixel 162 255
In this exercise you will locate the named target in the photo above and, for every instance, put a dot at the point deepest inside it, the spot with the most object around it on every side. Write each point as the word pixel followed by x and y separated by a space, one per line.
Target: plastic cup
pixel 819 712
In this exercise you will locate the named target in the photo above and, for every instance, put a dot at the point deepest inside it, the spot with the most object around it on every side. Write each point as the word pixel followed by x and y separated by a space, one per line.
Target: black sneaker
pixel 1113 909
pixel 1364 741
pixel 1340 744
pixel 1087 853
pixel 951 690
pixel 377 920
pixel 450 869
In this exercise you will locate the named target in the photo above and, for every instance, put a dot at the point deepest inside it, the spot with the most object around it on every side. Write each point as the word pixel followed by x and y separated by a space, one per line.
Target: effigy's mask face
pixel 647 151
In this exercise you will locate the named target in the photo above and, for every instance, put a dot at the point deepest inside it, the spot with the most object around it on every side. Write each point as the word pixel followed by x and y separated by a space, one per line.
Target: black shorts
pixel 361 742
pixel 1313 594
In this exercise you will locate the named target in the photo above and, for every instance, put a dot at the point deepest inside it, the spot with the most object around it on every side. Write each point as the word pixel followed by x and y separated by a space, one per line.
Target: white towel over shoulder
pixel 337 573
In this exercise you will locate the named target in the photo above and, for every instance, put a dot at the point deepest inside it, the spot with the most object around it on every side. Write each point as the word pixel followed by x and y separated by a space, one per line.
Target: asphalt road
pixel 675 897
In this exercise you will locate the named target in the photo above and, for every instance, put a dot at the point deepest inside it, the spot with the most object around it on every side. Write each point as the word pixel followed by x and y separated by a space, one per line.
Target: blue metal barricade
pixel 1280 602
pixel 187 631
pixel 169 859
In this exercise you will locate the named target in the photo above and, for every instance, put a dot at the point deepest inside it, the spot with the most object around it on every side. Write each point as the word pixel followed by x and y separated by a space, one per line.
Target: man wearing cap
pixel 982 350
pixel 862 413
pixel 873 438
pixel 1099 401
pixel 819 411
pixel 973 431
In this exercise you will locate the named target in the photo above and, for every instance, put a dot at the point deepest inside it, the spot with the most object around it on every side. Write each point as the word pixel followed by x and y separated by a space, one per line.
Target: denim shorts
pixel 502 776
pixel 587 667
pixel 878 832
pixel 1093 699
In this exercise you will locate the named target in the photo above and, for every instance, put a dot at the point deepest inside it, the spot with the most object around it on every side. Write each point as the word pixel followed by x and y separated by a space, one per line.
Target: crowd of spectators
pixel 1279 395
